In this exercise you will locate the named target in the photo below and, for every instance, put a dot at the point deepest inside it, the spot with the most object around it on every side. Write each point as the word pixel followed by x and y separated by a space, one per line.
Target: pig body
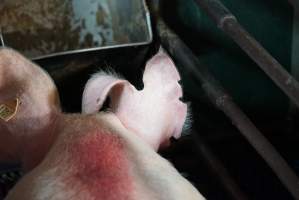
pixel 105 162
pixel 92 156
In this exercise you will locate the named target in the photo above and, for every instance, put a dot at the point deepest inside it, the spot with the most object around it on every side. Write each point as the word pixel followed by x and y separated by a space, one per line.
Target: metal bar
pixel 184 56
pixel 292 116
pixel 294 3
pixel 216 166
pixel 2 44
pixel 227 22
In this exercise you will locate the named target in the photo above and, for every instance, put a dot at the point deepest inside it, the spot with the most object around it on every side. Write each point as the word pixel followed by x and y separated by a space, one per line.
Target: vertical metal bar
pixel 294 3
pixel 227 22
pixel 292 116
pixel 1 38
pixel 183 55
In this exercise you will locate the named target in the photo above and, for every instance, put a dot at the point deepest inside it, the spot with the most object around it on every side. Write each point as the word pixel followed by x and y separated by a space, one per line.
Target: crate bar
pixel 184 56
pixel 1 39
pixel 227 22
pixel 294 3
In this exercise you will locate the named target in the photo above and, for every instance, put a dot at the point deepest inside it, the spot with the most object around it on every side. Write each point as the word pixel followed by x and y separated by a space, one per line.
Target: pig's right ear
pixel 98 88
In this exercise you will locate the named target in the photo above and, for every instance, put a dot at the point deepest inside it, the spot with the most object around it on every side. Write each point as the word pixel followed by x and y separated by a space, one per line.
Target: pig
pixel 97 154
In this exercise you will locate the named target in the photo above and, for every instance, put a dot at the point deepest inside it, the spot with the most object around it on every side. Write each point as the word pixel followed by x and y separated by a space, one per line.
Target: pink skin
pixel 105 155
pixel 154 113
pixel 19 78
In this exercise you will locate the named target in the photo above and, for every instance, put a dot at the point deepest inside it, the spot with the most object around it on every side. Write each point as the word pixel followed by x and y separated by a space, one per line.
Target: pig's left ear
pixel 154 113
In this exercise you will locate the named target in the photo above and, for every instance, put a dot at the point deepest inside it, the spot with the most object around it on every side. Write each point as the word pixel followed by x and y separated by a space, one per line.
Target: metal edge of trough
pixel 150 39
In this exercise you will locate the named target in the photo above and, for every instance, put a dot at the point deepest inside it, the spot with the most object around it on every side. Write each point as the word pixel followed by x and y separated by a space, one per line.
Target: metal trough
pixel 46 28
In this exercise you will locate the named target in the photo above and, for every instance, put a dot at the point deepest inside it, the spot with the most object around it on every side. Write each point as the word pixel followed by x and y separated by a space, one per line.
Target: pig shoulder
pixel 86 161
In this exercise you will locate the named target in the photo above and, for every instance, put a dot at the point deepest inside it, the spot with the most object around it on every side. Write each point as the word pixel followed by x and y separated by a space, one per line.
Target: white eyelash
pixel 188 122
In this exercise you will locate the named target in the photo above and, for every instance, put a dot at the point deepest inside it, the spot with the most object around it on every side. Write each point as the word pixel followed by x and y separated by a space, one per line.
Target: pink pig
pixel 107 155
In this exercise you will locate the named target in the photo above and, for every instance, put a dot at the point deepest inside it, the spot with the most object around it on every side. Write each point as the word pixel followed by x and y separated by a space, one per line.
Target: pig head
pixel 155 113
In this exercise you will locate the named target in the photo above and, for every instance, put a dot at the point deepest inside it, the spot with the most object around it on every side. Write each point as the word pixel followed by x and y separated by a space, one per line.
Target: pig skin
pixel 77 156
pixel 29 130
pixel 137 171
pixel 155 112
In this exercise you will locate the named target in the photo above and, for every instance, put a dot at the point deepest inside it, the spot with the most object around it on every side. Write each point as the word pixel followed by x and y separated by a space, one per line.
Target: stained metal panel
pixel 45 28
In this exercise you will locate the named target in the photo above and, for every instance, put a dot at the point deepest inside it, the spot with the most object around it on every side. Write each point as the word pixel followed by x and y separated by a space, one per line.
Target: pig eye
pixel 183 99
pixel 180 82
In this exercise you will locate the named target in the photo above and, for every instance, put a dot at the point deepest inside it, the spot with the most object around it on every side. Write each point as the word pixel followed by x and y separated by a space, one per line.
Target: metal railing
pixel 217 94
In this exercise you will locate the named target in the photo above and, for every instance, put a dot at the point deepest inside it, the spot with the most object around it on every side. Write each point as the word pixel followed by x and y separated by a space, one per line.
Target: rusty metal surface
pixel 43 28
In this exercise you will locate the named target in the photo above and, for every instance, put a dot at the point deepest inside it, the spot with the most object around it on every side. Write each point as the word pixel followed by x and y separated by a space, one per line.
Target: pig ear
pixel 98 88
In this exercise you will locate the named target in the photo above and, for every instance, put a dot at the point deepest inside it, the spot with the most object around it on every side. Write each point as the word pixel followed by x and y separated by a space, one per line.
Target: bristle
pixel 108 71
pixel 188 122
pixel 184 174
pixel 9 177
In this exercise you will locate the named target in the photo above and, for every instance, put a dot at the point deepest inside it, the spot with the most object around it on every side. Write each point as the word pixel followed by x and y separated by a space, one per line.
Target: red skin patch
pixel 100 167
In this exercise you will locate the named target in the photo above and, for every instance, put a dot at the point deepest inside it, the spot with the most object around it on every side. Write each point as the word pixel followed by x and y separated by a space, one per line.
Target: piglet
pixel 97 155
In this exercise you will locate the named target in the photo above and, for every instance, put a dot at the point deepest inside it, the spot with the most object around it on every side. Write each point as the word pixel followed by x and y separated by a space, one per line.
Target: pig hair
pixel 108 71
pixel 188 121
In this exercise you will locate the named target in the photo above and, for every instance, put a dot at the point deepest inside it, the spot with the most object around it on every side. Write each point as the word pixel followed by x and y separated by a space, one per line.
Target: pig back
pixel 97 158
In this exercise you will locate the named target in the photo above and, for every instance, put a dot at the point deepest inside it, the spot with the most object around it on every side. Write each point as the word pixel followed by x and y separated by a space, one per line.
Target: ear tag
pixel 9 109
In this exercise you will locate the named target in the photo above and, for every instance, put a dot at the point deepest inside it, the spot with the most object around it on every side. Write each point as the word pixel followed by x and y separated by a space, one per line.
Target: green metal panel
pixel 270 22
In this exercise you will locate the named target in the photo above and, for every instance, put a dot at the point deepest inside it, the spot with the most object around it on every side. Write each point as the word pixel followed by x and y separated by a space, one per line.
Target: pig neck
pixel 36 143
pixel 95 157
